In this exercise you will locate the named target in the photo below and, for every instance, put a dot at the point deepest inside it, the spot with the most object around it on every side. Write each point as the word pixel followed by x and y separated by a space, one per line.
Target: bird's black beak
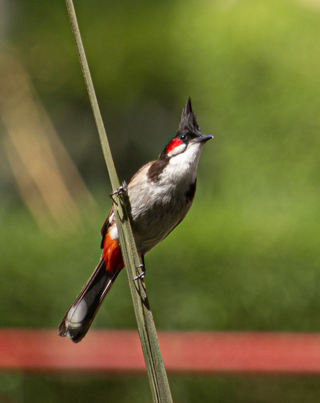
pixel 203 138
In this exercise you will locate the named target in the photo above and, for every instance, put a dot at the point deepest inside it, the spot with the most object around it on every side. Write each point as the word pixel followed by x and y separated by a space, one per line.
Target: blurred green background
pixel 247 255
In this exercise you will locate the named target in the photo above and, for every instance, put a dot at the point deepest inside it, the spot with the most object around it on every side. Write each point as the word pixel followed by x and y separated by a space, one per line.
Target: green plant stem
pixel 149 340
pixel 92 96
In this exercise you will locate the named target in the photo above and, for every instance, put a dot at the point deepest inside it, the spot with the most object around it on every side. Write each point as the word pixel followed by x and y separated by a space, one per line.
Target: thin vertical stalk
pixel 149 340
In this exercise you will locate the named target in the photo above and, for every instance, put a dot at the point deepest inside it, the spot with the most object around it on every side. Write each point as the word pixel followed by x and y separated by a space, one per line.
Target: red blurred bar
pixel 119 351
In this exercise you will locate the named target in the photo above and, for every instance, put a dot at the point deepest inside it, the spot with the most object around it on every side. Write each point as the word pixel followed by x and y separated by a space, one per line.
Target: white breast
pixel 158 206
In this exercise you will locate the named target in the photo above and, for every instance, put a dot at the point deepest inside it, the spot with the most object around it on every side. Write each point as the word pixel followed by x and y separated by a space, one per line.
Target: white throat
pixel 184 166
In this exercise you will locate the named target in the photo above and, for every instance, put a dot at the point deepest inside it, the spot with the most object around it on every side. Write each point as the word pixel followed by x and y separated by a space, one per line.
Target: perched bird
pixel 159 196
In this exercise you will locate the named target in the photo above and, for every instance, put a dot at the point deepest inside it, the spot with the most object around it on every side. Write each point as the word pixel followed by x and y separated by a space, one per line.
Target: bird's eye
pixel 183 137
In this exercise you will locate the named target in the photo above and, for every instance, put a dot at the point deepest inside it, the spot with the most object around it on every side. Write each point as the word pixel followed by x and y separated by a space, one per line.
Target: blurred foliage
pixel 185 388
pixel 247 255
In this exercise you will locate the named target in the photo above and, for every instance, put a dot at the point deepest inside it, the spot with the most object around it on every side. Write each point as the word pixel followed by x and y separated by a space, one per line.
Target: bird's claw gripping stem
pixel 121 190
pixel 142 274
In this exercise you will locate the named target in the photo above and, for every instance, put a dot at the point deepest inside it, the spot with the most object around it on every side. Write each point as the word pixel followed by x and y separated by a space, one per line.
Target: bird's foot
pixel 120 191
pixel 142 274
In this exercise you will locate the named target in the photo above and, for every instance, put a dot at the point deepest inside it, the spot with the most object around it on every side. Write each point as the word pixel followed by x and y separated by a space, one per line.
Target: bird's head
pixel 188 136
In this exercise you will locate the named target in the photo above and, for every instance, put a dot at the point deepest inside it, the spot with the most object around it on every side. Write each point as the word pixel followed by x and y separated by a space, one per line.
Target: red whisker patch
pixel 173 144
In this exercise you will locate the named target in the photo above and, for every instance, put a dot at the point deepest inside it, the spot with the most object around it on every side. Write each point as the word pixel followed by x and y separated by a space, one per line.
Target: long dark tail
pixel 78 318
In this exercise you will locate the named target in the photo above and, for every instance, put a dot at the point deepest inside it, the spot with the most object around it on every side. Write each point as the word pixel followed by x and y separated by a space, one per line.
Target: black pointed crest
pixel 188 119
pixel 188 125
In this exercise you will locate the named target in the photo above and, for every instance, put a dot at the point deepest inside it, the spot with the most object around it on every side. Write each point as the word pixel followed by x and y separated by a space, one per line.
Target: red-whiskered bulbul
pixel 159 196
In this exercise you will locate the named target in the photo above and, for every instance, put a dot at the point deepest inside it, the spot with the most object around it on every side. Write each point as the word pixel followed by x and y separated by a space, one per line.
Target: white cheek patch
pixel 177 150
